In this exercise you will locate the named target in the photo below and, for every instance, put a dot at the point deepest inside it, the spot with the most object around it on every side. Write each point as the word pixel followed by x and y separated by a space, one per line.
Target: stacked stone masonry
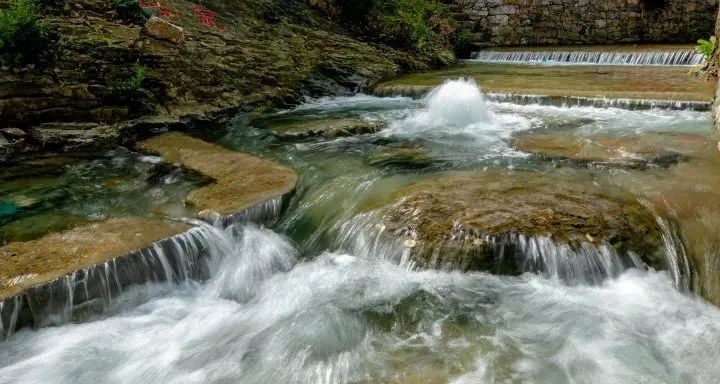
pixel 540 22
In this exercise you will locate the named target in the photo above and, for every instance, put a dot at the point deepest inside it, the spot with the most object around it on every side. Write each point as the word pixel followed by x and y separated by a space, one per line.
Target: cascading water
pixel 672 58
pixel 330 296
pixel 342 319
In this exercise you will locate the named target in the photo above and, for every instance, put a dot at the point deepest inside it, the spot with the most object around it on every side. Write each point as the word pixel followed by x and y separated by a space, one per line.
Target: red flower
pixel 207 18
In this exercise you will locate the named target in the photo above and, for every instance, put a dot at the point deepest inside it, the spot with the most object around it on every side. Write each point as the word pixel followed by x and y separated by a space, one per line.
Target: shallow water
pixel 317 299
pixel 47 195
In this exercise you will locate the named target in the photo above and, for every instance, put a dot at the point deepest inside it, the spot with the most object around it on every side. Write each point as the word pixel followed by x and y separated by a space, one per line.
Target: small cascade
pixel 266 213
pixel 177 259
pixel 669 58
pixel 676 260
pixel 583 264
pixel 587 263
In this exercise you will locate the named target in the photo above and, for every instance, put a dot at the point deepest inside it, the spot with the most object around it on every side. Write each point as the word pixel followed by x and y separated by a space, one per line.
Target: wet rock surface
pixel 241 180
pixel 458 212
pixel 26 264
pixel 329 127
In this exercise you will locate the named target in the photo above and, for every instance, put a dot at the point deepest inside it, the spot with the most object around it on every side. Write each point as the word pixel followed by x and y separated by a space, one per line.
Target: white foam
pixel 342 319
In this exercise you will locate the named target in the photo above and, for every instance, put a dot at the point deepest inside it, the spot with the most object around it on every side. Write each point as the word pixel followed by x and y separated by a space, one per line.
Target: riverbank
pixel 108 80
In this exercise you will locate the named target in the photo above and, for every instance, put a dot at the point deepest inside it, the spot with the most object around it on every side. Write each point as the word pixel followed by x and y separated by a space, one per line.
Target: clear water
pixel 55 193
pixel 309 301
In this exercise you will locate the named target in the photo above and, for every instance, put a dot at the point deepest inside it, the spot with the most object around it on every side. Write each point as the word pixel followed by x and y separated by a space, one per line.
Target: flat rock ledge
pixel 241 180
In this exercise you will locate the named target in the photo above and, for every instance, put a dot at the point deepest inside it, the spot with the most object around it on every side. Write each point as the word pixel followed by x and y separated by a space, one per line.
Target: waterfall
pixel 670 58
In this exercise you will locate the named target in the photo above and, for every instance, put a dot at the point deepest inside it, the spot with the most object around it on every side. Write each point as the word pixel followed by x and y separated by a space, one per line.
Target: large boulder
pixel 455 219
pixel 164 30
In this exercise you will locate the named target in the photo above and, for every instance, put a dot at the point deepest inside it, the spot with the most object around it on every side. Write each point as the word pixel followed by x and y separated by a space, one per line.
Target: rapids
pixel 318 297
pixel 338 318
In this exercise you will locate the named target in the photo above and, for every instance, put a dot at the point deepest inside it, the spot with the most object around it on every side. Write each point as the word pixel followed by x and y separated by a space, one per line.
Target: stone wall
pixel 538 22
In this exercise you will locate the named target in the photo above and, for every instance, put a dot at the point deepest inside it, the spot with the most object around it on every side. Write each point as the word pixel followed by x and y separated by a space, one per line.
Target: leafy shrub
pixel 130 87
pixel 131 11
pixel 413 24
pixel 707 47
pixel 23 34
pixel 462 42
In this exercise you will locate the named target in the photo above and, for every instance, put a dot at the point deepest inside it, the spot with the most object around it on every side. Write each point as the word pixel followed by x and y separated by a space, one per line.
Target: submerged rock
pixel 7 209
pixel 649 149
pixel 241 180
pixel 329 127
pixel 452 220
pixel 406 158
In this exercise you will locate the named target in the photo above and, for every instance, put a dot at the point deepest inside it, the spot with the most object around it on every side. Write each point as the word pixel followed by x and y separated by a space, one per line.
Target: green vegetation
pixel 131 11
pixel 23 34
pixel 707 47
pixel 416 24
pixel 130 87
pixel 411 22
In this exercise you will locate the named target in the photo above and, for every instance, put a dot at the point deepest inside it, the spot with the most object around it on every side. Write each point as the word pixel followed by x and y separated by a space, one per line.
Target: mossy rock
pixel 454 219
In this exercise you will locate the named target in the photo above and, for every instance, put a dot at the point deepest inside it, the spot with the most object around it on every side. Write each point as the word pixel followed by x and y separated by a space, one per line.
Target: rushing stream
pixel 318 297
